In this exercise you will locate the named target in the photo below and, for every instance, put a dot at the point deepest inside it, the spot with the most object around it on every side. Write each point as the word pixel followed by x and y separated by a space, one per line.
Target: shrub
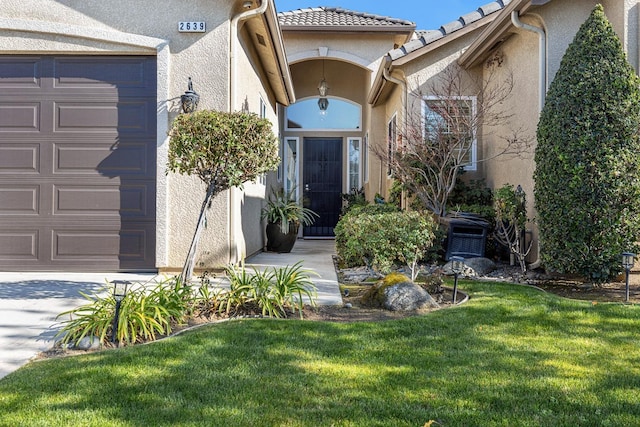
pixel 352 199
pixel 378 238
pixel 272 292
pixel 587 183
pixel 511 222
pixel 143 315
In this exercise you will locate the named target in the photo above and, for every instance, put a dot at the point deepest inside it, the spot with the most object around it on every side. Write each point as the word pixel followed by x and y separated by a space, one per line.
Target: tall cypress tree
pixel 587 178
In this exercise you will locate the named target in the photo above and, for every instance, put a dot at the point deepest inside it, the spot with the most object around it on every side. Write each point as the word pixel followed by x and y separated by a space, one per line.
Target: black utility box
pixel 467 236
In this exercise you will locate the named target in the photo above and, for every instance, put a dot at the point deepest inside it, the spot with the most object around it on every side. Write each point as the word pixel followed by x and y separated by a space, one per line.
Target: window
pixel 392 138
pixel 365 159
pixel 355 160
pixel 291 163
pixel 263 109
pixel 340 115
pixel 452 118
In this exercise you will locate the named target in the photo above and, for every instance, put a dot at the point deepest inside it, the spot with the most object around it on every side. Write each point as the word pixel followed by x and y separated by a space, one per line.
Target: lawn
pixel 511 356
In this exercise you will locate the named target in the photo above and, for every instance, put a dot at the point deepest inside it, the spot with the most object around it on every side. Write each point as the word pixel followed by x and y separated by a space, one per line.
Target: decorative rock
pixel 474 267
pixel 89 343
pixel 407 296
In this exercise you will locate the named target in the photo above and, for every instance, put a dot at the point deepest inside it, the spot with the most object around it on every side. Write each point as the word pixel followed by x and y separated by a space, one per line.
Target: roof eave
pixel 444 40
pixel 379 81
pixel 494 34
pixel 288 93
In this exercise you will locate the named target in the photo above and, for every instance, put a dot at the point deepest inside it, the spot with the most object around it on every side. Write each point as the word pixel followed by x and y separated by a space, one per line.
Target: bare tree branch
pixel 437 137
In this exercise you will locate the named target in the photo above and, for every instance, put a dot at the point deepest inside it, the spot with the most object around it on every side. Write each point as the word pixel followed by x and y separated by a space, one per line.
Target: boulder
pixel 397 293
pixel 474 267
pixel 407 296
pixel 89 343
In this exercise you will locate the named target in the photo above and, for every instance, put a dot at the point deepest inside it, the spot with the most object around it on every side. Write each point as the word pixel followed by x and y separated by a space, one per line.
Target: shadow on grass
pixel 511 356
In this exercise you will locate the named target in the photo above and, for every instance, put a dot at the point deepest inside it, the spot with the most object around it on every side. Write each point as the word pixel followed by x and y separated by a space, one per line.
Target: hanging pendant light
pixel 323 88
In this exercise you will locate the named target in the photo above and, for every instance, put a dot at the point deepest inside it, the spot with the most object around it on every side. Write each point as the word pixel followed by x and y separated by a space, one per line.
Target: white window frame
pixel 392 142
pixel 348 188
pixel 286 165
pixel 365 159
pixel 473 151
pixel 263 108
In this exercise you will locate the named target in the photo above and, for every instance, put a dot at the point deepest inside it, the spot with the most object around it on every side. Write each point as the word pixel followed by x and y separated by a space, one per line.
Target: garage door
pixel 77 163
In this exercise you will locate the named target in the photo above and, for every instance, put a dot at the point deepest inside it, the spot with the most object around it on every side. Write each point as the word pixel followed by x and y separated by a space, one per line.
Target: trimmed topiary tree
pixel 587 181
pixel 224 150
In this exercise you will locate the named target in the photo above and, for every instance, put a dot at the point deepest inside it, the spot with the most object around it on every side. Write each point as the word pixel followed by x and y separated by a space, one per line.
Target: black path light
pixel 628 259
pixel 119 292
pixel 189 99
pixel 457 266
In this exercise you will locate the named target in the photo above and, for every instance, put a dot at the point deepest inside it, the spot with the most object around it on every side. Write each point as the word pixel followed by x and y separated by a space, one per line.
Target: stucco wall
pixel 561 21
pixel 365 50
pixel 150 27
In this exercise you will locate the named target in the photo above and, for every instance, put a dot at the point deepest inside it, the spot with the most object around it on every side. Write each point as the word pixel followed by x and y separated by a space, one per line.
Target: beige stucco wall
pixel 365 50
pixel 561 21
pixel 149 27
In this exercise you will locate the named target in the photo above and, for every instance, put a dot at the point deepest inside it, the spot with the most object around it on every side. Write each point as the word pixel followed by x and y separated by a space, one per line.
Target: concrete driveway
pixel 30 302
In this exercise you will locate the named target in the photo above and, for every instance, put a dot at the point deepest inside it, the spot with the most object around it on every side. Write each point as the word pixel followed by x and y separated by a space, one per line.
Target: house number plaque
pixel 192 27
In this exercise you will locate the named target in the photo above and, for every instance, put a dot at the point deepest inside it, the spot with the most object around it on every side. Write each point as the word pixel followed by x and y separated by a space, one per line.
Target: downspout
pixel 235 21
pixel 234 213
pixel 403 84
pixel 515 19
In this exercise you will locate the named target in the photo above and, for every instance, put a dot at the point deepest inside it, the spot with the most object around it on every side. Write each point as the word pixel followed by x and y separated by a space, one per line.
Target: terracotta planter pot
pixel 277 241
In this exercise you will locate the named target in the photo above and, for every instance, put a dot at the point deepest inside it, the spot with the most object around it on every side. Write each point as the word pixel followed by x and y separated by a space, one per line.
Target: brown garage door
pixel 77 163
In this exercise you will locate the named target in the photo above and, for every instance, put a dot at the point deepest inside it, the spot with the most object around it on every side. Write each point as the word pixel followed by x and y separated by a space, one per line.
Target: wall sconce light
pixel 189 99
pixel 457 266
pixel 628 259
pixel 119 292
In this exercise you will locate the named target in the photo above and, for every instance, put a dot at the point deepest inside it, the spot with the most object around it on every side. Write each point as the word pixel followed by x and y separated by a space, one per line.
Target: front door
pixel 322 183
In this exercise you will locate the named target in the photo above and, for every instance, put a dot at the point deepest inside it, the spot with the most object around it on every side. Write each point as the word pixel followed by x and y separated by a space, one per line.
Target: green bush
pixel 587 182
pixel 471 192
pixel 144 314
pixel 379 237
pixel 272 292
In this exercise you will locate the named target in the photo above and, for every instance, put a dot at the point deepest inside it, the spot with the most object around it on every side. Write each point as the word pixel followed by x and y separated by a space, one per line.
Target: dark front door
pixel 322 183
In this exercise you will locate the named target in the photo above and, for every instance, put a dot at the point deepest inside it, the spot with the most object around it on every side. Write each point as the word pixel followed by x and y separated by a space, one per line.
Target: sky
pixel 427 14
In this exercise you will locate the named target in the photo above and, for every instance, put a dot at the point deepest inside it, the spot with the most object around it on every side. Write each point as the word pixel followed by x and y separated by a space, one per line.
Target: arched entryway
pixel 324 138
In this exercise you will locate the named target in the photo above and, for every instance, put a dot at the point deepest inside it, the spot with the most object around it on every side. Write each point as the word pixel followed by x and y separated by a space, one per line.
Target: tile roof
pixel 426 37
pixel 339 18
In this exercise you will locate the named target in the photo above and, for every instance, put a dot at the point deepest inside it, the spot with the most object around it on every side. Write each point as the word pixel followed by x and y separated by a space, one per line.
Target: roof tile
pixel 338 17
pixel 425 38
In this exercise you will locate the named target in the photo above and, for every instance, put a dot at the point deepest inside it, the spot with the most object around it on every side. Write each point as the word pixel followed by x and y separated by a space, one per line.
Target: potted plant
pixel 284 216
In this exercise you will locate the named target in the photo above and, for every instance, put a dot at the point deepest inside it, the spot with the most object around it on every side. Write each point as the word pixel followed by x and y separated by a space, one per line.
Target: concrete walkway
pixel 316 256
pixel 30 302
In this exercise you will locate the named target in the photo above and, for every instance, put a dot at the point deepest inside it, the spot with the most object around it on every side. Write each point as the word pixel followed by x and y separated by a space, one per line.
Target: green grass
pixel 511 356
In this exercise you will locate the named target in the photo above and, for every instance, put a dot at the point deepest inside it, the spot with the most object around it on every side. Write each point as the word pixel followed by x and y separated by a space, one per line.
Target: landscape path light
pixel 119 292
pixel 628 259
pixel 457 266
